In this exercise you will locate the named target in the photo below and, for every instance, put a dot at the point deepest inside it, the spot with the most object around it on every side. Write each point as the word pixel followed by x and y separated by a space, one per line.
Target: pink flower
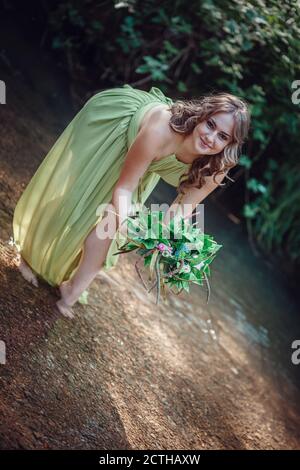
pixel 162 247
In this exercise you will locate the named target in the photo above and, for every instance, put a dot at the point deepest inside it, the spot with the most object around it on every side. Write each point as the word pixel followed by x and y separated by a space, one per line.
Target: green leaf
pixel 181 86
pixel 83 299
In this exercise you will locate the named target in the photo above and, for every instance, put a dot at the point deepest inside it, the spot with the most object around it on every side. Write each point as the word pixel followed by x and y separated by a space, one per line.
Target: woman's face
pixel 213 134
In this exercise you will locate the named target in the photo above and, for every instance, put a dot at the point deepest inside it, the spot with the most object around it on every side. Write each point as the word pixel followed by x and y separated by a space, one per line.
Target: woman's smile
pixel 203 144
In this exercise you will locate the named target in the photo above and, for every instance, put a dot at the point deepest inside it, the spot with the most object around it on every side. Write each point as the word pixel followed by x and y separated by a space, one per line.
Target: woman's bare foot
pixel 65 303
pixel 64 309
pixel 26 272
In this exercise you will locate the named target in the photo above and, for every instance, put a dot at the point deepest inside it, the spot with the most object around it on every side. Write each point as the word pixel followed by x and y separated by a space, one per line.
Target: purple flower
pixel 162 247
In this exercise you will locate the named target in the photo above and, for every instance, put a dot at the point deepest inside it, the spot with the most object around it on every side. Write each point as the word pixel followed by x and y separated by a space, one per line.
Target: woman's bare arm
pixel 150 143
pixel 193 196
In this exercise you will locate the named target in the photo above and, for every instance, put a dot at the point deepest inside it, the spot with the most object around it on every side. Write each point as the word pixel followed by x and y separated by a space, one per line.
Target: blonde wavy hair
pixel 186 114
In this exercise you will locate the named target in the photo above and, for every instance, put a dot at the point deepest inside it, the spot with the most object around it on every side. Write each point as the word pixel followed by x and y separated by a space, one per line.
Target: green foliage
pixel 276 210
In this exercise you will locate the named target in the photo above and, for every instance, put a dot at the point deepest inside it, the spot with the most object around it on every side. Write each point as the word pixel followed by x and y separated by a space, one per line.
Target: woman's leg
pixel 93 256
pixel 26 272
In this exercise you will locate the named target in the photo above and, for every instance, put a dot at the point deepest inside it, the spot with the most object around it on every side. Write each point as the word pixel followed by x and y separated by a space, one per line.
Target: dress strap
pixel 160 95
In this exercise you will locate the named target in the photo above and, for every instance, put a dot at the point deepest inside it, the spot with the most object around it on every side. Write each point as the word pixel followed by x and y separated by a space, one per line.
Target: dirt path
pixel 124 373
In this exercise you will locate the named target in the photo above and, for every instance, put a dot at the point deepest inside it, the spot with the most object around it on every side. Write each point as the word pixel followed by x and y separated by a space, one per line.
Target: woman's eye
pixel 211 126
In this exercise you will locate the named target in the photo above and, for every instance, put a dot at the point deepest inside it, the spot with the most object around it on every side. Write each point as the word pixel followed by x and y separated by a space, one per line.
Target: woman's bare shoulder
pixel 160 112
pixel 157 120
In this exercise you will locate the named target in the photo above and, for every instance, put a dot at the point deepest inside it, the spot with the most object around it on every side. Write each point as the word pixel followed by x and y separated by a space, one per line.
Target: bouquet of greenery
pixel 177 253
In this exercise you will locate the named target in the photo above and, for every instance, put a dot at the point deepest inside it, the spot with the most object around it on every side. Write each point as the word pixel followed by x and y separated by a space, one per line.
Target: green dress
pixel 58 208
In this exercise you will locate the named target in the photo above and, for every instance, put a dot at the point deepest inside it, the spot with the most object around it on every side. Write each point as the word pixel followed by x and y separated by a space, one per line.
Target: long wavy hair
pixel 186 114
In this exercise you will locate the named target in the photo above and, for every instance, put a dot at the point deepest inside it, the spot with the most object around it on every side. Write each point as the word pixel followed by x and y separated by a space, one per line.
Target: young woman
pixel 116 149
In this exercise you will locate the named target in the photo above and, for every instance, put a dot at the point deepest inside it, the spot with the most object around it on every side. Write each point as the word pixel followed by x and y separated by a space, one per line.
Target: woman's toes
pixel 64 309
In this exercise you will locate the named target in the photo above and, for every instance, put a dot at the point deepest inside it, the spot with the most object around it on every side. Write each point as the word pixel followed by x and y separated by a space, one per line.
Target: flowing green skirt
pixel 58 208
